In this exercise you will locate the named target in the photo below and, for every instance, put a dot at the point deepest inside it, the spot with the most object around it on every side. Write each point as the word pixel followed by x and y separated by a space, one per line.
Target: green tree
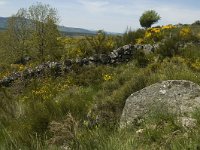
pixel 43 19
pixel 18 35
pixel 149 18
pixel 3 52
pixel 34 31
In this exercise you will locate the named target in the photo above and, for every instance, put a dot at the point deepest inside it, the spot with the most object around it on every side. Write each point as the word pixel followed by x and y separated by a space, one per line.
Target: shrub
pixel 141 58
pixel 191 52
pixel 169 48
pixel 187 34
pixel 101 43
pixel 63 133
pixel 75 47
pixel 196 22
pixel 130 37
pixel 156 34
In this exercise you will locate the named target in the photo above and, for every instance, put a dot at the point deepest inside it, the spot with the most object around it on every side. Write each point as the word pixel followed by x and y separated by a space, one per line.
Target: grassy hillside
pixel 82 108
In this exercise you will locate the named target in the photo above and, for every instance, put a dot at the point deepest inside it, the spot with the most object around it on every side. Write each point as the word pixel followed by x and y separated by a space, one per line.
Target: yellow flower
pixel 196 65
pixel 107 77
pixel 186 31
pixel 147 34
pixel 168 27
pixel 155 30
pixel 21 67
pixel 139 41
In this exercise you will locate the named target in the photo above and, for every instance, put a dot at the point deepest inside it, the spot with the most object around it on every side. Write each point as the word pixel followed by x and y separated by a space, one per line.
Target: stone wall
pixel 120 55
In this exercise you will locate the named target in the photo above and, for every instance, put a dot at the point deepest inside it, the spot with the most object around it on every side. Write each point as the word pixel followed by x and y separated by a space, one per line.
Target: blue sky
pixel 111 15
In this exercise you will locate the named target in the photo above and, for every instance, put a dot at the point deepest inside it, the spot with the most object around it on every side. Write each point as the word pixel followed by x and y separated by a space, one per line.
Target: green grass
pixel 103 101
pixel 28 108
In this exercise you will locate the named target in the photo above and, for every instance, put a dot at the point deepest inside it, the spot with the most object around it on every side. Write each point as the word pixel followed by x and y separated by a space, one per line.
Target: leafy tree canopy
pixel 149 18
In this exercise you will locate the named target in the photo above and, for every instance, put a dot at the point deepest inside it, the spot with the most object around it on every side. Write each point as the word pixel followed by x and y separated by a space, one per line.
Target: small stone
pixel 163 91
pixel 139 131
pixel 188 122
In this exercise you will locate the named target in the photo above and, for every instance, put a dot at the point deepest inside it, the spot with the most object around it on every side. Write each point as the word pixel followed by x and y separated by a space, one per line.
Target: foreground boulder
pixel 179 96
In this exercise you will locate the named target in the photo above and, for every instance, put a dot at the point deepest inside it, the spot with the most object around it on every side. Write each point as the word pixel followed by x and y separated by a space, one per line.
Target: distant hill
pixel 71 31
pixel 75 30
pixel 3 22
pixel 63 29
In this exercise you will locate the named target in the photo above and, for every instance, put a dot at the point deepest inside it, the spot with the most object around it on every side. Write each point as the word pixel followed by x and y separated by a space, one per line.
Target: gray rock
pixel 126 57
pixel 115 52
pixel 78 61
pixel 156 46
pixel 179 96
pixel 187 122
pixel 7 81
pixel 127 47
pixel 138 46
pixel 15 75
pixel 68 62
pixel 113 55
pixel 120 51
pixel 128 52
pixel 148 48
pixel 91 58
pixel 85 61
pixel 28 73
pixel 105 59
pixel 96 57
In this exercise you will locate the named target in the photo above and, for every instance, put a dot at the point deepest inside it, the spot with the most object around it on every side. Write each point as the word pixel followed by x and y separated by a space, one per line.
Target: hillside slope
pixel 63 29
pixel 3 22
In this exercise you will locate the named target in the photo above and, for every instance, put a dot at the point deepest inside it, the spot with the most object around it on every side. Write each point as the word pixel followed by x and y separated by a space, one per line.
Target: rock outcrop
pixel 179 96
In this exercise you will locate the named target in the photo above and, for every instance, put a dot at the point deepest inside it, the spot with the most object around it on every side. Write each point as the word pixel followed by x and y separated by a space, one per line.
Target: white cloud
pixel 2 2
pixel 178 15
pixel 105 7
pixel 94 6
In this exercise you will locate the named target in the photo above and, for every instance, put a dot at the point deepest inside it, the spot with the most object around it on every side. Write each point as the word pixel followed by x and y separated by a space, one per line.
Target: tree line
pixel 33 31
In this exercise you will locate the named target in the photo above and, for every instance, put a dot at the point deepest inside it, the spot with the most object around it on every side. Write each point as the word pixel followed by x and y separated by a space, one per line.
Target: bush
pixel 141 58
pixel 196 22
pixel 169 48
pixel 191 52
pixel 157 34
pixel 130 37
pixel 101 43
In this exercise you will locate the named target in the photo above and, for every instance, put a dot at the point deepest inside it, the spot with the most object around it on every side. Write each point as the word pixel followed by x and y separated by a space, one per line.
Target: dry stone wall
pixel 120 55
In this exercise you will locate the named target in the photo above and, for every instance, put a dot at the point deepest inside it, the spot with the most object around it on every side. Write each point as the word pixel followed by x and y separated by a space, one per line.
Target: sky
pixel 111 15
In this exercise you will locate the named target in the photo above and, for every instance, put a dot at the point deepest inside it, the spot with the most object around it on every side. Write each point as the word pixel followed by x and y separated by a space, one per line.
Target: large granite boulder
pixel 179 96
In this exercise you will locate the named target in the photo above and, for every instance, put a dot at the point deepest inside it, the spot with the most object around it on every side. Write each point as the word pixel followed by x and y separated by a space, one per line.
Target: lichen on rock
pixel 179 96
